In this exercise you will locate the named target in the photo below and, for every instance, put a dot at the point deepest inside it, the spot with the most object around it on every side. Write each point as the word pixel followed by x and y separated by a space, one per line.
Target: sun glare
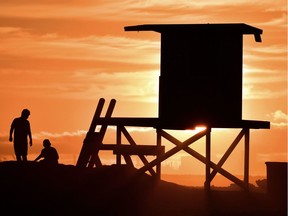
pixel 197 129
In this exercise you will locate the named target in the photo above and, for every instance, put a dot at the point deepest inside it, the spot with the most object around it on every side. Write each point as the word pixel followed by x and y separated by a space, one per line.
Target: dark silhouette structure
pixel 200 83
pixel 21 128
pixel 48 153
pixel 201 74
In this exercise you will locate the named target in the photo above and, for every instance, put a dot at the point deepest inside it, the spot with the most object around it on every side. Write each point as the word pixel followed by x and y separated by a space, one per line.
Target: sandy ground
pixel 33 189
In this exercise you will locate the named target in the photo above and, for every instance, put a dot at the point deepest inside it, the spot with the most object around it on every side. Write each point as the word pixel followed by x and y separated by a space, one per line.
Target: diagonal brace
pixel 173 151
pixel 228 152
pixel 133 143
pixel 203 159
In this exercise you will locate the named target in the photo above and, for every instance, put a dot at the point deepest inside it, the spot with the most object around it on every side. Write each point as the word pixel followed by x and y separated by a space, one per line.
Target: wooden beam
pixel 95 157
pixel 139 150
pixel 214 166
pixel 133 143
pixel 208 161
pixel 155 123
pixel 203 159
pixel 172 151
pixel 228 152
pixel 118 143
pixel 158 166
pixel 128 160
pixel 246 157
pixel 85 152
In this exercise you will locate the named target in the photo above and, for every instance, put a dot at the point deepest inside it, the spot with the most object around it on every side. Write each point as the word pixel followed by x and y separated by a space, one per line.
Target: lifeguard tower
pixel 200 84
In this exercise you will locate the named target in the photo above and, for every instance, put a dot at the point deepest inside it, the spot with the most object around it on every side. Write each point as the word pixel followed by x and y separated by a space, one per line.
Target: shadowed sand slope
pixel 34 189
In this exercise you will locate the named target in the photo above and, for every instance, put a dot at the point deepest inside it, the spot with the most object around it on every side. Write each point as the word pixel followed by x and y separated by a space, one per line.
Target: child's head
pixel 46 143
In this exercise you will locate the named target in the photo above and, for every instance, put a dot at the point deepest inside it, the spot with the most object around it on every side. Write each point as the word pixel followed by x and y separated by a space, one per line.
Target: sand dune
pixel 109 190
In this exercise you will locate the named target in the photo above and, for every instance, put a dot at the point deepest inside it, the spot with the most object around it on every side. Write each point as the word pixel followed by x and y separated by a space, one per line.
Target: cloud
pixel 264 77
pixel 83 84
pixel 45 134
pixel 92 48
pixel 109 10
pixel 273 54
pixel 70 67
pixel 140 11
pixel 79 133
pixel 254 92
pixel 279 118
pixel 10 30
pixel 274 156
pixel 274 49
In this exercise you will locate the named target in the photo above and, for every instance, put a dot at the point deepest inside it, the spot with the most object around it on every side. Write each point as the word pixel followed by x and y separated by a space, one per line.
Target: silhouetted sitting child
pixel 49 154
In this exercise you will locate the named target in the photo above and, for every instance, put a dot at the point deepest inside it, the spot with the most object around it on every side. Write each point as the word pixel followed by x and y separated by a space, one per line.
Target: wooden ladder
pixel 89 153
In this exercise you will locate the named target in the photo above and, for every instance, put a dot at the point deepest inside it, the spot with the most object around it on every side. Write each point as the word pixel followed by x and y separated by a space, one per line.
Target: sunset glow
pixel 59 57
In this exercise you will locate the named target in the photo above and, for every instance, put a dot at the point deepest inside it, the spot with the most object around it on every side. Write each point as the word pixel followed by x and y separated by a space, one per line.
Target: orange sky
pixel 59 57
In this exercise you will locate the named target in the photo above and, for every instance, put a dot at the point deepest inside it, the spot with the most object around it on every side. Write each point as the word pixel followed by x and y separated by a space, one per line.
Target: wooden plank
pixel 96 115
pixel 118 142
pixel 133 150
pixel 107 147
pixel 155 123
pixel 132 142
pixel 220 170
pixel 173 151
pixel 246 157
pixel 130 121
pixel 208 161
pixel 128 160
pixel 159 143
pixel 228 152
pixel 95 157
pixel 87 145
pixel 139 150
pixel 201 158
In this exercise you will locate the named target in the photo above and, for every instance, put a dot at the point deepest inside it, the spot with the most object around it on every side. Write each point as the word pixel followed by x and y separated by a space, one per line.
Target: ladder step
pixel 139 150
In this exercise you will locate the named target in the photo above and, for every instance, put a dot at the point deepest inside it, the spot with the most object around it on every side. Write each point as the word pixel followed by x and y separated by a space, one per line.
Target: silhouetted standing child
pixel 21 128
pixel 49 153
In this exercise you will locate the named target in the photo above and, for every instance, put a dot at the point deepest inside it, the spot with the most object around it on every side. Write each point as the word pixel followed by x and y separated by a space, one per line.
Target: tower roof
pixel 238 28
